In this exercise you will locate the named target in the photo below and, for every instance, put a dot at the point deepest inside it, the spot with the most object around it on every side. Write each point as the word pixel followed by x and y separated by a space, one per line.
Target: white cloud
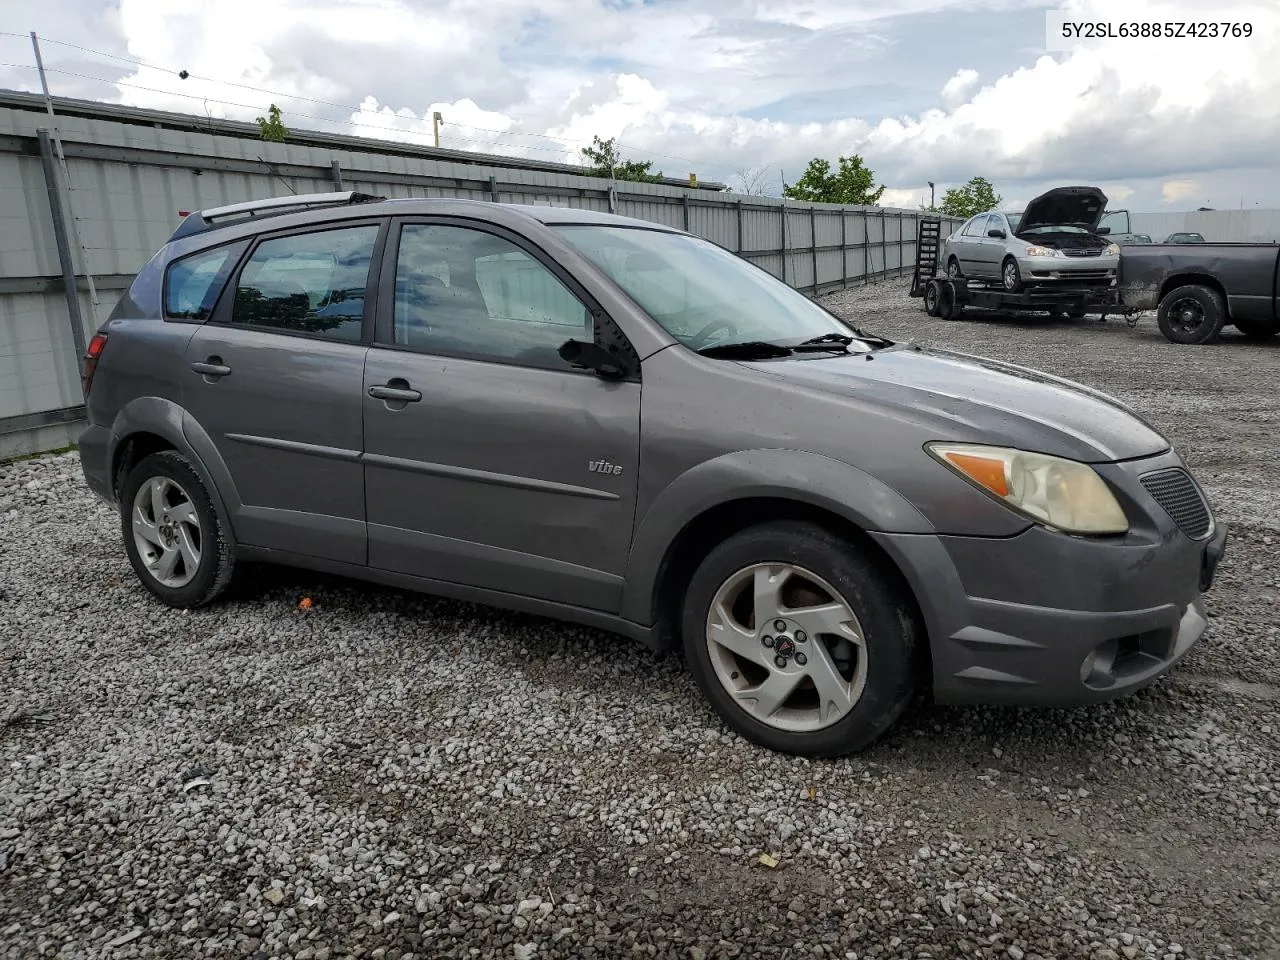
pixel 960 85
pixel 720 85
pixel 1175 190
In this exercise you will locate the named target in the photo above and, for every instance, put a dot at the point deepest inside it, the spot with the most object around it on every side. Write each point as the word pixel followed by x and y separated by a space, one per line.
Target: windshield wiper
pixel 746 350
pixel 841 339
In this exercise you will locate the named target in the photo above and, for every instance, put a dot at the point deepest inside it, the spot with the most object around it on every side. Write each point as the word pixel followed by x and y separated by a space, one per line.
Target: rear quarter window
pixel 192 284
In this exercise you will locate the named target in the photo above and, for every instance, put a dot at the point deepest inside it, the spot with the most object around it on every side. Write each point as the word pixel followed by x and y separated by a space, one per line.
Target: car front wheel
pixel 799 641
pixel 1011 276
pixel 172 535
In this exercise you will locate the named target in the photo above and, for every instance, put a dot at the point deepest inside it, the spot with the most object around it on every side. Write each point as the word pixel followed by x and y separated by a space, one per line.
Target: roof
pixel 196 123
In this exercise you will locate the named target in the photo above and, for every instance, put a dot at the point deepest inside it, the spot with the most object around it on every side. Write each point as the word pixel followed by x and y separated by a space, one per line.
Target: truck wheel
pixel 1258 329
pixel 953 269
pixel 931 296
pixel 799 641
pixel 1192 314
pixel 1011 276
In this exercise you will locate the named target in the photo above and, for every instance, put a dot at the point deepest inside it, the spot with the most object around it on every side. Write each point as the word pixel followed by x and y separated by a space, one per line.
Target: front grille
pixel 1081 252
pixel 1178 496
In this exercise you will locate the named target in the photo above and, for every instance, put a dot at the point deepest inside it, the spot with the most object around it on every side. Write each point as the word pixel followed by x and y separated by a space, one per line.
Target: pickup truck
pixel 1197 289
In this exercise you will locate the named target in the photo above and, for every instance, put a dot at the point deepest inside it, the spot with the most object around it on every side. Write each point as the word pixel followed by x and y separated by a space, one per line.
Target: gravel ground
pixel 386 775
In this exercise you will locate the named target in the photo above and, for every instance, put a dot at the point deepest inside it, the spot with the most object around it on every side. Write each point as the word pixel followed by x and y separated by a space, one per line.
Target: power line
pixel 330 103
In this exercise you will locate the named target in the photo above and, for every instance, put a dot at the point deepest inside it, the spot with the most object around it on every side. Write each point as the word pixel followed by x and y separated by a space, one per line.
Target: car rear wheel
pixel 1258 329
pixel 953 269
pixel 172 535
pixel 1191 314
pixel 799 641
pixel 1011 276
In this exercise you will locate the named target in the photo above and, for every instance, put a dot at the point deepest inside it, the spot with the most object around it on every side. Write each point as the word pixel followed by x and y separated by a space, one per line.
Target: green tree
pixel 853 183
pixel 272 127
pixel 976 196
pixel 602 159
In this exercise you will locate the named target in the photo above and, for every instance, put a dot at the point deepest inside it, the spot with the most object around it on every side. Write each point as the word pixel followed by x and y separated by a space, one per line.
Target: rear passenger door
pixel 274 383
pixel 490 461
pixel 968 248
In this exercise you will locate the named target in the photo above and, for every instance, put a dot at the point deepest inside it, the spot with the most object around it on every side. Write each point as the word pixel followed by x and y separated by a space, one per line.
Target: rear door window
pixel 193 283
pixel 308 283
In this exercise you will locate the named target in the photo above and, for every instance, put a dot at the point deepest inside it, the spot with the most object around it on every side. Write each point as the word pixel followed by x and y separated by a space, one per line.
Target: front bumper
pixel 1046 619
pixel 1101 271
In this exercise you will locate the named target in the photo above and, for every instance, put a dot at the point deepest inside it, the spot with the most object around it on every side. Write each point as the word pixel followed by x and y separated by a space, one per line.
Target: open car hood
pixel 1065 206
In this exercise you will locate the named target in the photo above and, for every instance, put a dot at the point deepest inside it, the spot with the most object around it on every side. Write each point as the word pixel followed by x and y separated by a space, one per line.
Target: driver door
pixel 489 461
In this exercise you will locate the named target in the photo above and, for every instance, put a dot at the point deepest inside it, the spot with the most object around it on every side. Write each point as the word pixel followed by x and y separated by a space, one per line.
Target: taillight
pixel 91 356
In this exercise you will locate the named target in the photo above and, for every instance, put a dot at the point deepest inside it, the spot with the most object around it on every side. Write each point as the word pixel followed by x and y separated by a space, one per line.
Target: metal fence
pixel 115 191
pixel 1252 225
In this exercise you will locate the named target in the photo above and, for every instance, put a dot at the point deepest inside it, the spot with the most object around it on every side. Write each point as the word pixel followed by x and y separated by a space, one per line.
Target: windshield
pixel 1014 220
pixel 701 293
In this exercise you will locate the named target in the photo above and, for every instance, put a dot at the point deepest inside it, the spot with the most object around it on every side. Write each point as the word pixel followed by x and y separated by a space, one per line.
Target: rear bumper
pixel 1044 619
pixel 95 461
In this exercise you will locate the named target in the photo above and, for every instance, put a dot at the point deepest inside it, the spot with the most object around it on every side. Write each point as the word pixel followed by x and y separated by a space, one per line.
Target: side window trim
pixel 222 314
pixel 384 334
pixel 228 272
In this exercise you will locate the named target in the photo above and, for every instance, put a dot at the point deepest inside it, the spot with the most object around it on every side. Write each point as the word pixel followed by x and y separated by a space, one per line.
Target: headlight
pixel 1043 252
pixel 1112 250
pixel 1059 493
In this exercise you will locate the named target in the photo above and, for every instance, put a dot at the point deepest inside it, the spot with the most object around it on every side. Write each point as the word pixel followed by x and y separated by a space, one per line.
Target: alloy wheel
pixel 1187 314
pixel 166 531
pixel 787 647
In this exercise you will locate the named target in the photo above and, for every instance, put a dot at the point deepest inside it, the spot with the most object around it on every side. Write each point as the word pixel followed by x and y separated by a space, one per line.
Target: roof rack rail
pixel 203 220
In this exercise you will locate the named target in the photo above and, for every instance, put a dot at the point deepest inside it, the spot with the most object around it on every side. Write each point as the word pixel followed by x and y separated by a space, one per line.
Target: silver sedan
pixel 1056 240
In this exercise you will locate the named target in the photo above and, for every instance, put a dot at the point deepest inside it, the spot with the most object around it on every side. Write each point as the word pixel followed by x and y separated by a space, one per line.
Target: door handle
pixel 393 392
pixel 211 367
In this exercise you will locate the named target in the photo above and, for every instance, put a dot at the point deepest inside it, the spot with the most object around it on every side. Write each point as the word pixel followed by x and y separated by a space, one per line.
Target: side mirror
pixel 591 356
pixel 1102 231
pixel 998 234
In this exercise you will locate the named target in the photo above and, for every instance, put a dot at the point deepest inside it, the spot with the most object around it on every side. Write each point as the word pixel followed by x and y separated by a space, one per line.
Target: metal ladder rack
pixel 928 241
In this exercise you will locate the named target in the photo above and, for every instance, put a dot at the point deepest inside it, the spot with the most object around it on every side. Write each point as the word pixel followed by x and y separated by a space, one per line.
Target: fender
pixel 168 420
pixel 807 478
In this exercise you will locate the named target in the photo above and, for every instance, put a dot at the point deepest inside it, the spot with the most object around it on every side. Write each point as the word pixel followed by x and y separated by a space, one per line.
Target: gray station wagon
pixel 615 423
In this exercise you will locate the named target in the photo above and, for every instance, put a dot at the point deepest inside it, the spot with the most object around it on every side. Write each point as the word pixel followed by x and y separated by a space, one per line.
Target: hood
pixel 975 400
pixel 1065 206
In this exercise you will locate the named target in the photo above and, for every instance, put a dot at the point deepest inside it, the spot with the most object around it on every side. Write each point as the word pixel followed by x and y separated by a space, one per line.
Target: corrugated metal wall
pixel 128 182
pixel 1222 226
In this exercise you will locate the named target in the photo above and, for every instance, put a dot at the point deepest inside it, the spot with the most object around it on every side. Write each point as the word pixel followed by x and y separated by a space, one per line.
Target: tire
pixel 931 297
pixel 187 526
pixel 948 309
pixel 804 562
pixel 1010 276
pixel 1191 314
pixel 1075 313
pixel 953 269
pixel 1258 329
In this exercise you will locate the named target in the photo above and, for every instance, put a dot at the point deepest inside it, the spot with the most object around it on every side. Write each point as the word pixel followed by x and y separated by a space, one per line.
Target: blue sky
pixel 734 90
